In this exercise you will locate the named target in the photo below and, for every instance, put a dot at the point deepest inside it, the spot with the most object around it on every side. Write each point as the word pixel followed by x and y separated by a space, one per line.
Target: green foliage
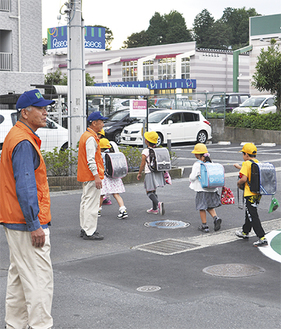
pixel 268 72
pixel 60 163
pixel 133 156
pixel 166 29
pixel 253 120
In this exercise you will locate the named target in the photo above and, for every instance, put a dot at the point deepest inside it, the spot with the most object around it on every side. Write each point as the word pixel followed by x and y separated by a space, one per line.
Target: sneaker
pixel 106 202
pixel 260 243
pixel 152 211
pixel 242 235
pixel 217 223
pixel 95 236
pixel 204 228
pixel 82 233
pixel 122 214
pixel 161 208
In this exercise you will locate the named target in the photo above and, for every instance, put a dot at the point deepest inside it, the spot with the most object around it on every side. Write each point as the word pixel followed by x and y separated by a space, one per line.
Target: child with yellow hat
pixel 111 185
pixel 153 179
pixel 207 199
pixel 252 199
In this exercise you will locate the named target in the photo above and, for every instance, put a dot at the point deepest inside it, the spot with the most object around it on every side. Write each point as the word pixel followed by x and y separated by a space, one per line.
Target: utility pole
pixel 76 95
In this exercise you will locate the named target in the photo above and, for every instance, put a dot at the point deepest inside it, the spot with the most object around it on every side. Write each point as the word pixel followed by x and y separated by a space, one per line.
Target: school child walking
pixel 153 179
pixel 207 199
pixel 111 185
pixel 251 199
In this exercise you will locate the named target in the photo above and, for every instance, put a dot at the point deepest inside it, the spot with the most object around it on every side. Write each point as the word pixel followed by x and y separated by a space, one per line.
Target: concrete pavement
pixel 218 281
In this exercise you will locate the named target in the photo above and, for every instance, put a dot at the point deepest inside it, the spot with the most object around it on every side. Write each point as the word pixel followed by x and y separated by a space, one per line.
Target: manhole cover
pixel 167 223
pixel 148 288
pixel 166 247
pixel 233 270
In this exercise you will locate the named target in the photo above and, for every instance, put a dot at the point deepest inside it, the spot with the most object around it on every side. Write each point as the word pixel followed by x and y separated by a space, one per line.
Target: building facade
pixel 21 62
pixel 172 68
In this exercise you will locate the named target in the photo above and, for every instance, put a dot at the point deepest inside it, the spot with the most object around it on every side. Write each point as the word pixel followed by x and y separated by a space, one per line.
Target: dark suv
pixel 117 121
pixel 231 101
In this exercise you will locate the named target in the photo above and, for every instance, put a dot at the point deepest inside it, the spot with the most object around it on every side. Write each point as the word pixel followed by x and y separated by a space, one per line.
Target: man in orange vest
pixel 90 171
pixel 26 216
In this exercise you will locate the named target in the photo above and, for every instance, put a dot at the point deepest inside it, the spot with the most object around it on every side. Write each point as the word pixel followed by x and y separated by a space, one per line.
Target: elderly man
pixel 25 215
pixel 90 171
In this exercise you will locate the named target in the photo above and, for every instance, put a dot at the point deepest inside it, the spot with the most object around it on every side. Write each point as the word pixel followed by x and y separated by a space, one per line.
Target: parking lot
pixel 148 276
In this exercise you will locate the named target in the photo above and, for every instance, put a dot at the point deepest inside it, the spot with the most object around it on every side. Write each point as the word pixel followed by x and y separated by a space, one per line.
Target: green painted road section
pixel 275 243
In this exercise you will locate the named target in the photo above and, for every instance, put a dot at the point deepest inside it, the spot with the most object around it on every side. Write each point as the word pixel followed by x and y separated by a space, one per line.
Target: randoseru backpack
pixel 263 178
pixel 211 175
pixel 116 165
pixel 159 159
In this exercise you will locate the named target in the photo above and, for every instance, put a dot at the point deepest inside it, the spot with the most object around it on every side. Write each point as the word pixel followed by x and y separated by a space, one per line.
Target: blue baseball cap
pixel 32 98
pixel 94 116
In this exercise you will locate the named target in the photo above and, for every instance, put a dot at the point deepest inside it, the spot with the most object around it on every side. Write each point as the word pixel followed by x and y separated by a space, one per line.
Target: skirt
pixel 207 200
pixel 153 180
pixel 112 186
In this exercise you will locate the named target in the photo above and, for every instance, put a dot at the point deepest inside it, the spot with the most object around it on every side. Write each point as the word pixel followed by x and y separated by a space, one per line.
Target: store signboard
pixel 57 39
pixel 154 84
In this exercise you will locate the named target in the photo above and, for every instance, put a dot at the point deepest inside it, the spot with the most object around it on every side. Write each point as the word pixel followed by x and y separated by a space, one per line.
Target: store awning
pixel 107 91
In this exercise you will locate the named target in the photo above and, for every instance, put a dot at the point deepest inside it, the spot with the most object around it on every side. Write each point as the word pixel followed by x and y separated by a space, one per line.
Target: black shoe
pixel 82 233
pixel 95 236
pixel 217 223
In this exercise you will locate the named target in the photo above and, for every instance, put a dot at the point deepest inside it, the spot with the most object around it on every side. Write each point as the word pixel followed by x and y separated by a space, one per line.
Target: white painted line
pixel 224 143
pixel 269 252
pixel 268 144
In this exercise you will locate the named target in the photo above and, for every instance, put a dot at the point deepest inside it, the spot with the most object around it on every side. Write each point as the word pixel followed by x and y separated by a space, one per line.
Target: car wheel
pixel 202 137
pixel 160 140
pixel 64 147
pixel 117 137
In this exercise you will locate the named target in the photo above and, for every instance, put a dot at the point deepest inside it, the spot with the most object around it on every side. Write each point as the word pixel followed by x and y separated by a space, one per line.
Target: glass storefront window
pixel 129 71
pixel 167 68
pixel 185 68
pixel 148 72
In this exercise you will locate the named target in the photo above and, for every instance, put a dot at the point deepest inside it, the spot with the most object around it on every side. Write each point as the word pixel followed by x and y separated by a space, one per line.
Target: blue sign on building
pixel 154 84
pixel 57 38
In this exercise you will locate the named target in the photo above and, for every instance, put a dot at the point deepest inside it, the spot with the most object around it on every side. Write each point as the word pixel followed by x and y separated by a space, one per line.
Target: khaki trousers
pixel 89 207
pixel 30 282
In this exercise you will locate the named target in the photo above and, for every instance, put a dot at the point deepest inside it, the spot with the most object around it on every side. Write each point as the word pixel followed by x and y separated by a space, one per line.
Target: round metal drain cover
pixel 233 270
pixel 167 223
pixel 148 288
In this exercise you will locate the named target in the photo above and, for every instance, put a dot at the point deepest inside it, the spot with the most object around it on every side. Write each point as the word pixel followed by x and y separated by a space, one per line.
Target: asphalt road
pixel 147 275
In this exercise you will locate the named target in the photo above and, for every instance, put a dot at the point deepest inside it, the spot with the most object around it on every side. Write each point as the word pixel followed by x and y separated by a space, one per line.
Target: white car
pixel 183 125
pixel 262 104
pixel 53 135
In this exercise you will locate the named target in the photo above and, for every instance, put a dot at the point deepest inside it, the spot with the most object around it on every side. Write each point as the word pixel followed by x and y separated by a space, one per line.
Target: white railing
pixel 5 61
pixel 4 5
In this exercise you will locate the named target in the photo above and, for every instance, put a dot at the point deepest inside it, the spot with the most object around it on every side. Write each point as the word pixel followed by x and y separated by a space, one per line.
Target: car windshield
pixel 253 102
pixel 156 116
pixel 117 116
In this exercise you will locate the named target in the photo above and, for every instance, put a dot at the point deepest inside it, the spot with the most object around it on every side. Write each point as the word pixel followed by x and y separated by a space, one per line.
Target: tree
pixel 268 72
pixel 169 28
pixel 202 25
pixel 237 20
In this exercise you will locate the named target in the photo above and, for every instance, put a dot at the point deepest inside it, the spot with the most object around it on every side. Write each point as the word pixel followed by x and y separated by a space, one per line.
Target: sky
pixel 125 17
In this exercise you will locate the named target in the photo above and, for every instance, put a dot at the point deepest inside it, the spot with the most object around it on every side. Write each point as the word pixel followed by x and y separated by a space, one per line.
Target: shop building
pixel 172 68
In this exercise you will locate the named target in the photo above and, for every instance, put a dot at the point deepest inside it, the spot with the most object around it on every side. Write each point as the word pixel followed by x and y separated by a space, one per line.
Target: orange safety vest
pixel 84 174
pixel 10 210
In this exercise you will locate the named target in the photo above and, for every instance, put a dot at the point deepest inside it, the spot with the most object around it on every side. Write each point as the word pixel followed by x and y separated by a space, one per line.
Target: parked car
pixel 262 104
pixel 53 135
pixel 117 121
pixel 181 103
pixel 231 101
pixel 183 125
